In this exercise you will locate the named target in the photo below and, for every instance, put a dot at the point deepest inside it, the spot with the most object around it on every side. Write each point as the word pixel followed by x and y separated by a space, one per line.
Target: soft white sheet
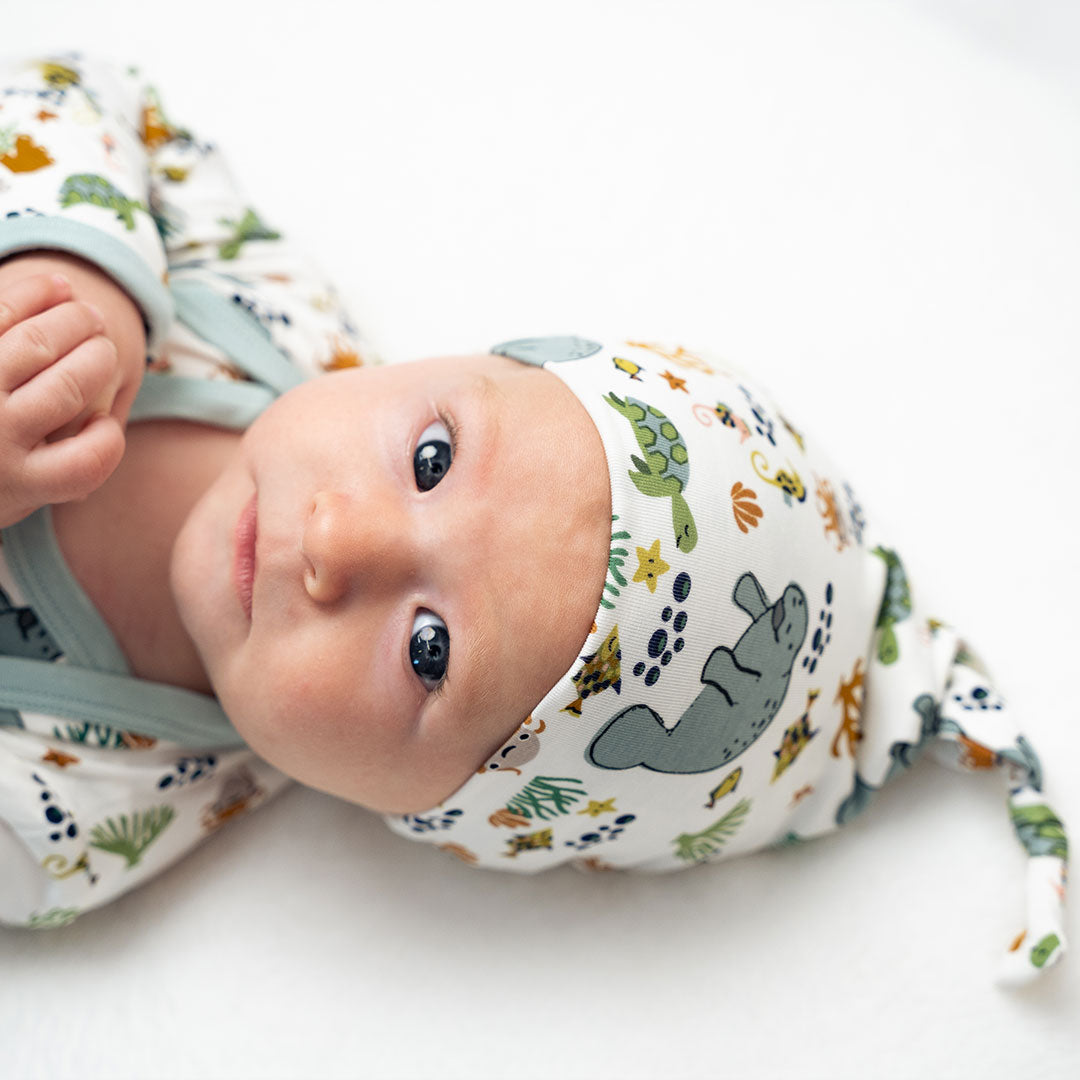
pixel 874 205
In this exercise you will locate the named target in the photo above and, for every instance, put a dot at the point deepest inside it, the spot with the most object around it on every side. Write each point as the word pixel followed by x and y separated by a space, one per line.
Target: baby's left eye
pixel 432 456
pixel 429 648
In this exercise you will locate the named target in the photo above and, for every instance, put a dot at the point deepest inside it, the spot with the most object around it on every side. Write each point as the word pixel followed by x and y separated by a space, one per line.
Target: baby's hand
pixel 58 379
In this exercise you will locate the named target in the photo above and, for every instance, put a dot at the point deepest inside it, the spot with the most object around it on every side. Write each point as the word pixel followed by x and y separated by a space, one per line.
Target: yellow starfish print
pixel 595 809
pixel 650 565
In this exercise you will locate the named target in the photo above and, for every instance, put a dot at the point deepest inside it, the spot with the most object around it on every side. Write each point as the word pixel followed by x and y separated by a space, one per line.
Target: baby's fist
pixel 59 378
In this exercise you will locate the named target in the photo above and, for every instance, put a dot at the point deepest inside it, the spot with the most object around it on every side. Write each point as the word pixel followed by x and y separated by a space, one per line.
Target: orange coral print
pixel 24 155
pixel 342 357
pixel 829 510
pixel 462 853
pixel 747 512
pixel 507 817
pixel 974 755
pixel 678 355
pixel 155 132
pixel 850 697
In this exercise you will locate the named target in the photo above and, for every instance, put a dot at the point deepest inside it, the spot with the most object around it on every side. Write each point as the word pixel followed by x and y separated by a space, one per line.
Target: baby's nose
pixel 346 544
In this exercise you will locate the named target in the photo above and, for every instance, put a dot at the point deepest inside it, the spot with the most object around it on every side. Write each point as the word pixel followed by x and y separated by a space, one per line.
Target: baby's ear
pixel 749 595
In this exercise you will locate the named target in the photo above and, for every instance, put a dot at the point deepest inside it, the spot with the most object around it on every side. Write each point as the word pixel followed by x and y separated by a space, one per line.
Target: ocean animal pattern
pixel 248 227
pixel 788 482
pixel 131 836
pixel 707 416
pixel 628 367
pixel 20 153
pixel 796 738
pixel 683 357
pixel 849 698
pixel 895 605
pixel 664 472
pixel 518 750
pixel 702 846
pixel 22 633
pixel 97 823
pixel 240 791
pixel 651 567
pixel 544 797
pixel 616 559
pixel 725 787
pixel 747 512
pixel 602 670
pixel 830 512
pixel 97 191
pixel 744 687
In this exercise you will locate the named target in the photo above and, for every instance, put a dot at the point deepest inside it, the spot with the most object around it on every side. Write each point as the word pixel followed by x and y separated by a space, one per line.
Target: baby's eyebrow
pixel 486 387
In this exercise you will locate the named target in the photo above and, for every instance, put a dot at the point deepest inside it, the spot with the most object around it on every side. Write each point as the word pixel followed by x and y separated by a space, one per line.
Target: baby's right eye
pixel 432 456
pixel 429 648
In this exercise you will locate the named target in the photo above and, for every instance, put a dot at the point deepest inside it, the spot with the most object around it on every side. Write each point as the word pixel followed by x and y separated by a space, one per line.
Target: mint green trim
pixel 232 405
pixel 238 334
pixel 30 233
pixel 50 588
pixel 97 697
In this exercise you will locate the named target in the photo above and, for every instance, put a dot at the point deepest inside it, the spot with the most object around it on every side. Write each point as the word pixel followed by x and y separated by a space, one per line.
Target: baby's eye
pixel 429 648
pixel 432 456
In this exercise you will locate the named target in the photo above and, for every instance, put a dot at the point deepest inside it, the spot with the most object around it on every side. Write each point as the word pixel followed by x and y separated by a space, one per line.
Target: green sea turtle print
pixel 895 604
pixel 90 188
pixel 1040 830
pixel 249 227
pixel 664 471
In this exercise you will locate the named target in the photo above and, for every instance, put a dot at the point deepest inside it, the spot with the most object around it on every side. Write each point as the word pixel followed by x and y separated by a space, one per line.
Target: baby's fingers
pixel 62 392
pixel 75 467
pixel 30 346
pixel 29 296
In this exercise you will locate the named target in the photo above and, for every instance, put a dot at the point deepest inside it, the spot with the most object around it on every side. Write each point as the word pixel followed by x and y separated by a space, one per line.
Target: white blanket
pixel 858 201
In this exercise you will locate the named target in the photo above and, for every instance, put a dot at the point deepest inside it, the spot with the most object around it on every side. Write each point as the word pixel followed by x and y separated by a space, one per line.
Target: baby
pixel 562 601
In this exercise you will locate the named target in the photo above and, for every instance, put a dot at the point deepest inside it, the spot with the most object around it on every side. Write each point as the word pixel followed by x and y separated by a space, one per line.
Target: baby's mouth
pixel 244 536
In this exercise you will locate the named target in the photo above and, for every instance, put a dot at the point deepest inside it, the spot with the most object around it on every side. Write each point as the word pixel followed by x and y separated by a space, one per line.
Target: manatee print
pixel 744 688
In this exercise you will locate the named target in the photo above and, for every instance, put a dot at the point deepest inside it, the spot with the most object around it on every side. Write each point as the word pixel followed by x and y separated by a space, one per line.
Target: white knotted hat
pixel 758 667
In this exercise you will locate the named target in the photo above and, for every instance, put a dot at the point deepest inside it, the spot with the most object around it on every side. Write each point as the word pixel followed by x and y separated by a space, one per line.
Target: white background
pixel 872 205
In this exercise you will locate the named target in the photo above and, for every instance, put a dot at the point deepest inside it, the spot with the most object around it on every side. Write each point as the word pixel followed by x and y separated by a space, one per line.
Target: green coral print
pixel 615 561
pixel 97 191
pixel 131 837
pixel 696 847
pixel 52 919
pixel 789 839
pixel 895 605
pixel 1044 950
pixel 546 797
pixel 664 471
pixel 1040 830
pixel 100 735
pixel 249 227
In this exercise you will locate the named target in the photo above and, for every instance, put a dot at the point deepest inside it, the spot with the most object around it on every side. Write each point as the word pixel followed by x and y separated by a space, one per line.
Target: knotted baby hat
pixel 758 667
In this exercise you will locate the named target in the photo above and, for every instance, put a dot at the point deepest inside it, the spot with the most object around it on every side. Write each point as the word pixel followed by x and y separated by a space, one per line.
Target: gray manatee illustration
pixel 22 635
pixel 744 688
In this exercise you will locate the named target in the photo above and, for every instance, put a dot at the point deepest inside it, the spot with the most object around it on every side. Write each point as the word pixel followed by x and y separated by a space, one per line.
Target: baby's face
pixel 431 544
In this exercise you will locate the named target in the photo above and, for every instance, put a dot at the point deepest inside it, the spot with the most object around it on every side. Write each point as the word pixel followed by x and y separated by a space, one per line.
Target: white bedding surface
pixel 872 205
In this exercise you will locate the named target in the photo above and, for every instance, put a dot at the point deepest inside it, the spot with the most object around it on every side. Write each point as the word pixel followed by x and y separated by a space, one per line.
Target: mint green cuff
pixel 120 262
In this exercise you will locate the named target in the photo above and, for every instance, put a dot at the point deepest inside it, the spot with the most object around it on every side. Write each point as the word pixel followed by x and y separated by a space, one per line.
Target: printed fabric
pixel 758 667
pixel 90 163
